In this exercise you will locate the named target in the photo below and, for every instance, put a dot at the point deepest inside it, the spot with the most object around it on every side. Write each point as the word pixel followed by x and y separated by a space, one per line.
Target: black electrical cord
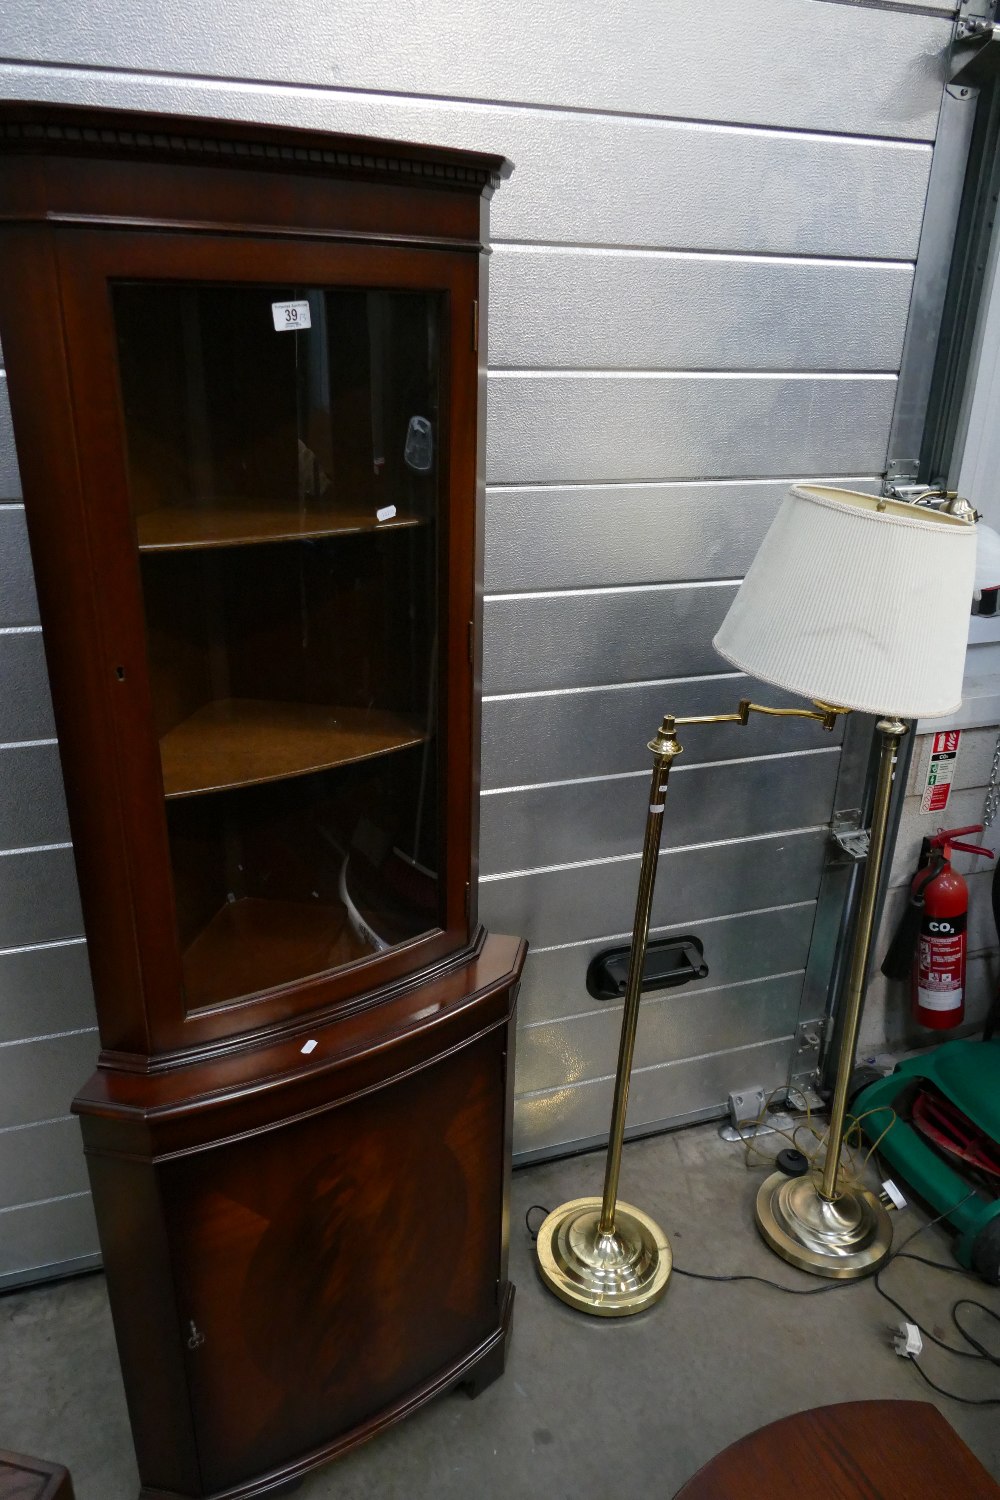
pixel 535 1208
pixel 970 1338
pixel 836 1286
pixel 948 1348
pixel 793 1291
pixel 938 1265
pixel 977 1351
pixel 952 1396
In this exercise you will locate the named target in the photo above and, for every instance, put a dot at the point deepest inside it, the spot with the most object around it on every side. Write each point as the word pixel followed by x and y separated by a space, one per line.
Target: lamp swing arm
pixel 825 713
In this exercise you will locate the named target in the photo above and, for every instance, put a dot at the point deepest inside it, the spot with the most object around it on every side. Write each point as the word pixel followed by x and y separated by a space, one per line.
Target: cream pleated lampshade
pixel 857 607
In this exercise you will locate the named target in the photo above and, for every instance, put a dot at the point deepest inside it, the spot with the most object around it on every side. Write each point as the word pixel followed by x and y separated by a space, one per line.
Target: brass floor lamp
pixel 857 603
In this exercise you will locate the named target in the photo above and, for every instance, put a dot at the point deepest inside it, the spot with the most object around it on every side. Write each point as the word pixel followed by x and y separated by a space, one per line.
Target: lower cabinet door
pixel 329 1267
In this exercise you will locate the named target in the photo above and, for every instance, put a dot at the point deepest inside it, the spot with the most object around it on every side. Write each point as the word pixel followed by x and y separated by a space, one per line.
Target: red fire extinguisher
pixel 938 973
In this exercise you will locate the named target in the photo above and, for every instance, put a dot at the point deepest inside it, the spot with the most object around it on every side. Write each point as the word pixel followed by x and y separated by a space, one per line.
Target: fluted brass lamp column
pixel 857 603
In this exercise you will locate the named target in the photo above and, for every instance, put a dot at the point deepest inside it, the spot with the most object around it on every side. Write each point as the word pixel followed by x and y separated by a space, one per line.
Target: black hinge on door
pixel 468 901
pixel 472 643
pixel 475 326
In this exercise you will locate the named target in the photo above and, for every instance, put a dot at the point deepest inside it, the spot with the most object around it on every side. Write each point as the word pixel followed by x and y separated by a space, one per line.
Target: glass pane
pixel 283 468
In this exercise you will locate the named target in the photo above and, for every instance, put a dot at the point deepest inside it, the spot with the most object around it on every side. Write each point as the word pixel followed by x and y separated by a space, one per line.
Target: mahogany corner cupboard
pixel 246 370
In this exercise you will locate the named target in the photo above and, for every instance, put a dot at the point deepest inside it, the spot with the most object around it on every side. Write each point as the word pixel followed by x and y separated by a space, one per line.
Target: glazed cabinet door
pixel 277 449
pixel 337 1265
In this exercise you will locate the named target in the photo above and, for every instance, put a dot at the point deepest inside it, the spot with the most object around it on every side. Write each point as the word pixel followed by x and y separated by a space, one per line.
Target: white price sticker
pixel 386 513
pixel 310 1046
pixel 290 315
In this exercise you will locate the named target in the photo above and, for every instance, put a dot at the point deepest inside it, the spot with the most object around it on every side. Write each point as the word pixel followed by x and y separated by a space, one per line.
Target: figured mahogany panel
pixel 327 1267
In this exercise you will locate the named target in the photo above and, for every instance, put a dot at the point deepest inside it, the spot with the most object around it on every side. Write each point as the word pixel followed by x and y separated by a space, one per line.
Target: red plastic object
pixel 954 1134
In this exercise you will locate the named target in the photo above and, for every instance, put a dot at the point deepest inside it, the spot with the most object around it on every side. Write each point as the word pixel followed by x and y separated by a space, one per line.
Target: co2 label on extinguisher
pixel 940 962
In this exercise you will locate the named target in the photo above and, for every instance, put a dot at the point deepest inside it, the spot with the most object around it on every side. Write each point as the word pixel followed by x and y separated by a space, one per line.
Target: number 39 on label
pixel 290 315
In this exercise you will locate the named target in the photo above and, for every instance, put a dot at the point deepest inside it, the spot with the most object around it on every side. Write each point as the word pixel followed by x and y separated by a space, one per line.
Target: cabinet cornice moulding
pixel 42 129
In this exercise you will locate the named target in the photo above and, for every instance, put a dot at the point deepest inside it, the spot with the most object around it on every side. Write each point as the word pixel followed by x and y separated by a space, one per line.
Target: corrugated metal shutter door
pixel 698 292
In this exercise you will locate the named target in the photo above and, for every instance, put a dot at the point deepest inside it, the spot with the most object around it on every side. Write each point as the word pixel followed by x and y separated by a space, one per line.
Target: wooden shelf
pixel 181 528
pixel 244 741
pixel 254 945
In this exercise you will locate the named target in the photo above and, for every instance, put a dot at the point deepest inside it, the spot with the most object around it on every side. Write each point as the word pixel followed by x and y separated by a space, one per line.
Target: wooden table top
pixel 24 1478
pixel 858 1450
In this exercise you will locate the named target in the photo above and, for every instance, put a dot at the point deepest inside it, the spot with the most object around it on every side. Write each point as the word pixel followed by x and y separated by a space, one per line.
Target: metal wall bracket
pixel 906 490
pixel 854 844
pixel 976 54
pixel 747 1119
pixel 975 10
pixel 805 1062
pixel 848 835
pixel 747 1105
pixel 900 473
pixel 973 26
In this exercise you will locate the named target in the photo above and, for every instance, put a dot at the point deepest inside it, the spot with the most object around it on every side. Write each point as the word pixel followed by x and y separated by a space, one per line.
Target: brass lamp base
pixel 608 1274
pixel 847 1237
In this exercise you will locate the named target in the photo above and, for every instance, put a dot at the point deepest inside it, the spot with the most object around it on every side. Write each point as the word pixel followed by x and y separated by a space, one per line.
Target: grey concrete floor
pixel 587 1406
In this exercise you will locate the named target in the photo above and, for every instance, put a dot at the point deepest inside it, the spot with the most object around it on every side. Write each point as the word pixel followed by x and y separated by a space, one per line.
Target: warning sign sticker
pixel 941 771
